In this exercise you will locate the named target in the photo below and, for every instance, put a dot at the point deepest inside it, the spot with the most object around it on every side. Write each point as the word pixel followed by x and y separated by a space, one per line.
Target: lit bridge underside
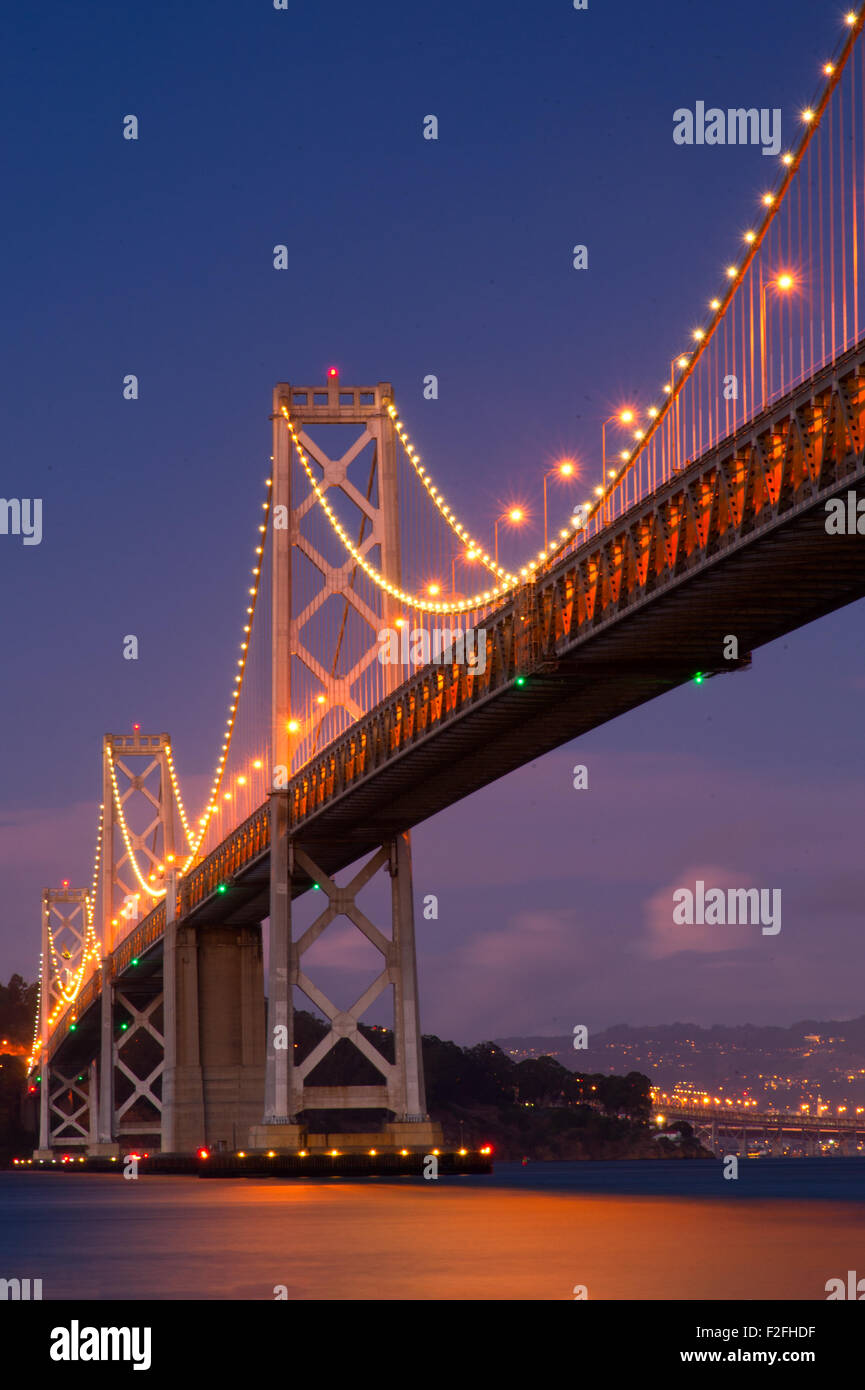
pixel 735 543
pixel 729 1118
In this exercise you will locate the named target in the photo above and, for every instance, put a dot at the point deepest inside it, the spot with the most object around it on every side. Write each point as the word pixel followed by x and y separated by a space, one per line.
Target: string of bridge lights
pixel 474 547
pixel 205 818
pixel 772 201
pixel 37 1041
pixel 175 787
pixel 686 363
pixel 89 951
pixel 419 603
pixel 91 948
pixel 194 840
pixel 90 900
pixel 124 831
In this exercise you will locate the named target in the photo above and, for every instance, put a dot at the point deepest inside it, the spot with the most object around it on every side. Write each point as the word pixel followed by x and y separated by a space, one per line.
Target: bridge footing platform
pixel 414 1136
pixel 309 1164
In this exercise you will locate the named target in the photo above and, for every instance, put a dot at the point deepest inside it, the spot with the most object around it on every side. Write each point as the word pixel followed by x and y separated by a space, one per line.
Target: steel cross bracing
pixel 71 1103
pixel 142 851
pixel 773 477
pixel 758 1119
pixel 64 937
pixel 735 544
pixel 335 674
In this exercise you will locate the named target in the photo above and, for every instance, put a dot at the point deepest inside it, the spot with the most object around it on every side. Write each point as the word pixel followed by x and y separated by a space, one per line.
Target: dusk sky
pixel 408 257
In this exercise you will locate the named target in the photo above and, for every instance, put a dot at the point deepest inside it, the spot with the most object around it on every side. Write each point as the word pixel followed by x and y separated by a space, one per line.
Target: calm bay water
pixel 656 1230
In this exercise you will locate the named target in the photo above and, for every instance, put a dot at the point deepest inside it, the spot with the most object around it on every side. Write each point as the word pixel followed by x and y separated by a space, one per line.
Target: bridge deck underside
pixel 758 579
pixel 758 591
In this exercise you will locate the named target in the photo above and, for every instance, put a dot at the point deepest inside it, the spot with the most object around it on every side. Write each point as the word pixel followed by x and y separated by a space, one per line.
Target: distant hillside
pixel 17 1011
pixel 748 1035
pixel 813 1061
pixel 534 1107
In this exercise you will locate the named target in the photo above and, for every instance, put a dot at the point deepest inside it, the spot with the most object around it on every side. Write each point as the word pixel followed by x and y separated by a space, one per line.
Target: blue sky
pixel 407 257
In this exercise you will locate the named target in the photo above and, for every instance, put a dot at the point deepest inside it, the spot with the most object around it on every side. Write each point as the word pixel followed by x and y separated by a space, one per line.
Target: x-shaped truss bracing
pixel 67 1126
pixel 142 1087
pixel 344 1022
pixel 337 579
pixel 64 935
pixel 134 858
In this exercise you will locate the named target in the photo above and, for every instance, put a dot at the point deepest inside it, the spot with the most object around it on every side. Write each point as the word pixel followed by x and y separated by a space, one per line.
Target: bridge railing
pixel 148 930
pixel 803 448
pixel 804 445
pixel 245 844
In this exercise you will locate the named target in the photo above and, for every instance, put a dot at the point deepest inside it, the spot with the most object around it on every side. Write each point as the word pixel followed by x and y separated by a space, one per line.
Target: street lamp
pixel 466 555
pixel 515 516
pixel 624 417
pixel 566 469
pixel 784 283
pixel 681 361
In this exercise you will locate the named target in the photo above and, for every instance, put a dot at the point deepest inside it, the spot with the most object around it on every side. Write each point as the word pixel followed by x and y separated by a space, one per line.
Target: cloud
pixel 516 976
pixel 667 937
pixel 32 838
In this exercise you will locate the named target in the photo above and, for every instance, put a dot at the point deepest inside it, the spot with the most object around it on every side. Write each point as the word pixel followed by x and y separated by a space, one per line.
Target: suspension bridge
pixel 378 681
pixel 779 1130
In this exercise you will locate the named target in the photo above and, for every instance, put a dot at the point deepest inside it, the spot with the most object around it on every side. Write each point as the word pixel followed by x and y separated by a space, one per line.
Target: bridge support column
pixel 93 1095
pixel 231 1034
pixel 44 1150
pixel 213 1019
pixel 105 1145
pixel 169 1016
pixel 409 1091
pixel 183 1128
pixel 288 1094
pixel 283 1091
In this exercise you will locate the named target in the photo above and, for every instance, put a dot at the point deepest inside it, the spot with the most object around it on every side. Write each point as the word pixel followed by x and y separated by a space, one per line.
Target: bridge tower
pixel 293 865
pixel 67 1103
pixel 137 791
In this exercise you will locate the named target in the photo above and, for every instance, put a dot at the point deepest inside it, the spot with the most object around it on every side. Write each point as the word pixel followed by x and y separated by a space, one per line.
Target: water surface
pixel 632 1230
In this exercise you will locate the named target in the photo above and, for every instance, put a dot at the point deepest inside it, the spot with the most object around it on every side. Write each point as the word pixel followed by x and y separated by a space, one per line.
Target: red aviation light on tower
pixel 333 374
pixel 65 883
pixel 136 728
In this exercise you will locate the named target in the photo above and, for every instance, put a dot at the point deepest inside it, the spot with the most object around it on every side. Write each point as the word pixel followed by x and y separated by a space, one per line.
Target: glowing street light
pixel 681 361
pixel 784 283
pixel 465 555
pixel 515 515
pixel 566 469
pixel 622 417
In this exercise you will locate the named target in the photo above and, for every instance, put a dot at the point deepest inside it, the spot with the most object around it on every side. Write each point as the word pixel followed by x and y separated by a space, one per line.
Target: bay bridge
pixel 797 1131
pixel 733 513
